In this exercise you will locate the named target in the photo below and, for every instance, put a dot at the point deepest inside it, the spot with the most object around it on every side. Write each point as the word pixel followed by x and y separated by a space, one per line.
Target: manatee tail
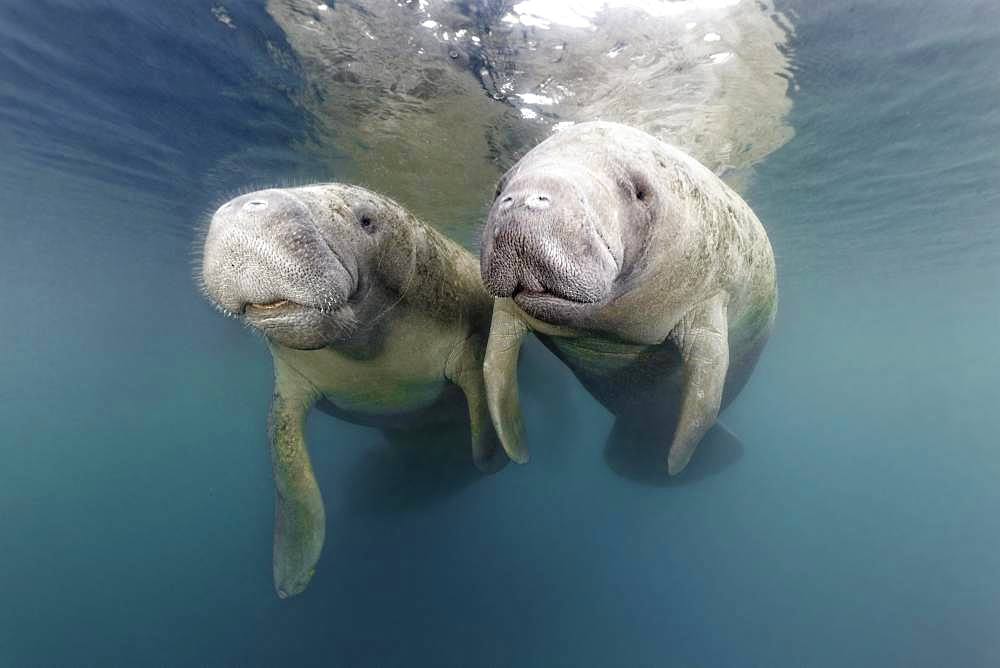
pixel 507 331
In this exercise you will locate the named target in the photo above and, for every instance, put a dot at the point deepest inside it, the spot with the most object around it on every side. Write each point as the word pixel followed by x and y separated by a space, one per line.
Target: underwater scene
pixel 497 333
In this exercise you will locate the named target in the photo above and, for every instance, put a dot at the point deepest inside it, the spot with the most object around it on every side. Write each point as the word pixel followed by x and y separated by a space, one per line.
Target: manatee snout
pixel 266 259
pixel 544 241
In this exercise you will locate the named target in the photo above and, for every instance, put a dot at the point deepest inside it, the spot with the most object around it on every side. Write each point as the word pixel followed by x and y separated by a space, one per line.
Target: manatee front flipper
pixel 507 332
pixel 703 339
pixel 465 369
pixel 299 519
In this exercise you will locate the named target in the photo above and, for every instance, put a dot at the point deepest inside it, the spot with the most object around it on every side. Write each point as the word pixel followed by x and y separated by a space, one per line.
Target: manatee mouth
pixel 285 313
pixel 529 296
pixel 285 307
pixel 550 307
pixel 256 313
pixel 300 326
pixel 265 307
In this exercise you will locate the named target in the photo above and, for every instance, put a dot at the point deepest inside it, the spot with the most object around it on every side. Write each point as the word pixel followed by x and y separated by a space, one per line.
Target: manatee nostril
pixel 506 202
pixel 255 204
pixel 538 201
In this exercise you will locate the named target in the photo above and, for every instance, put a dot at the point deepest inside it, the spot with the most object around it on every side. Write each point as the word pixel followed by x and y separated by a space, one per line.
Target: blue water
pixel 853 523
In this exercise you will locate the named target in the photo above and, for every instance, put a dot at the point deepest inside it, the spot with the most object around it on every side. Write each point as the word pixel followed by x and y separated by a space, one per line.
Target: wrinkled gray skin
pixel 367 311
pixel 639 268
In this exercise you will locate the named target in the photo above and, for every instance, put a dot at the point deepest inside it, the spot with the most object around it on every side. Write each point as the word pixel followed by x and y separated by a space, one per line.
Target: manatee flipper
pixel 702 336
pixel 299 518
pixel 465 369
pixel 507 332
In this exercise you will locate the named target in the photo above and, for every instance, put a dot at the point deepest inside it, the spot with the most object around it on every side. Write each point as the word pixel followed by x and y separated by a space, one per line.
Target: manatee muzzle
pixel 264 248
pixel 265 259
pixel 544 245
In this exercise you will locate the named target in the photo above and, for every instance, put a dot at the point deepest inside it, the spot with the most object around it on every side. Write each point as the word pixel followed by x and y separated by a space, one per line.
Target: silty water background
pixel 853 522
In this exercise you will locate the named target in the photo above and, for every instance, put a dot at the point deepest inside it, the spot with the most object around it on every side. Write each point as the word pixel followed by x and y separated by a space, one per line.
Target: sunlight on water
pixel 543 13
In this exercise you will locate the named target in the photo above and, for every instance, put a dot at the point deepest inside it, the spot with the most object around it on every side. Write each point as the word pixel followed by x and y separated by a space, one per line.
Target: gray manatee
pixel 639 268
pixel 364 309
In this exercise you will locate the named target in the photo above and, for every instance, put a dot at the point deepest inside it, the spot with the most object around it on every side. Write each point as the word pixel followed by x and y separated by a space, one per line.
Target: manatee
pixel 367 312
pixel 640 269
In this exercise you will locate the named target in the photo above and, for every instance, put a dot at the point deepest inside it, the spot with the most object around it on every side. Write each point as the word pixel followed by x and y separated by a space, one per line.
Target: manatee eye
pixel 639 188
pixel 501 184
pixel 366 215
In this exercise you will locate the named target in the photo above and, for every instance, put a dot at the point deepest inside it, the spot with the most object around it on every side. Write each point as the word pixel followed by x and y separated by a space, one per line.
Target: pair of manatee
pixel 633 263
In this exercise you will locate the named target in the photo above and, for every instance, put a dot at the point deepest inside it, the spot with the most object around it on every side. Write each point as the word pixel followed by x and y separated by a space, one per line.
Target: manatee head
pixel 296 263
pixel 562 234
